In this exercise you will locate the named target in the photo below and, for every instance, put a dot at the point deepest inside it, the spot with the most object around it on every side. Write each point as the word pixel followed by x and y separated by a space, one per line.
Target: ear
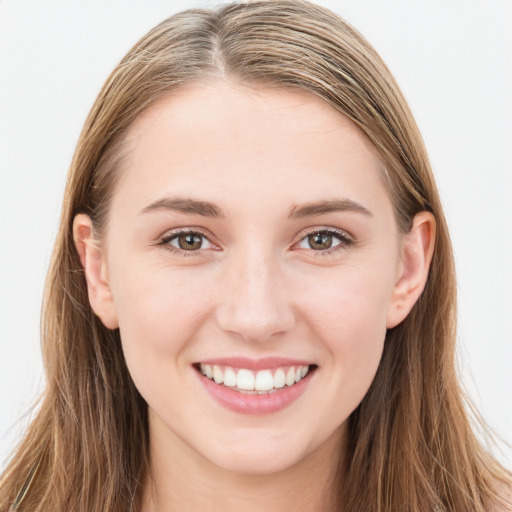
pixel 95 269
pixel 416 254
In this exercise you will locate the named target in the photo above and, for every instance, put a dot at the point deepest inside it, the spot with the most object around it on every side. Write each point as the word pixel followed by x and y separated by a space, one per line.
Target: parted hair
pixel 411 445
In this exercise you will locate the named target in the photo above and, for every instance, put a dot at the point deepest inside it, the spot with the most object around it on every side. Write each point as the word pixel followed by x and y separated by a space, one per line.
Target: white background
pixel 453 60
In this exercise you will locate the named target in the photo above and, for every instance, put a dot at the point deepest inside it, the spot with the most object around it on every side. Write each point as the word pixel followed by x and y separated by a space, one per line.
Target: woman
pixel 252 298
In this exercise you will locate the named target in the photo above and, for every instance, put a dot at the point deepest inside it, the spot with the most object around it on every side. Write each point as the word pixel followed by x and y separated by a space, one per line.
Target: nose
pixel 253 302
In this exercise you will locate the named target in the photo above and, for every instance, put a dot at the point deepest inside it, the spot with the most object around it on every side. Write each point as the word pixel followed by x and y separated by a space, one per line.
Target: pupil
pixel 320 241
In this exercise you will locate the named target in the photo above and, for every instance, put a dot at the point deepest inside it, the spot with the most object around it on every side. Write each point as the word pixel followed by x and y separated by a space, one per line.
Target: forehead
pixel 217 137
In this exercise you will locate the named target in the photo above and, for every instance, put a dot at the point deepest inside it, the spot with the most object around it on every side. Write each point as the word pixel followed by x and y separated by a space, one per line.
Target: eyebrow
pixel 321 207
pixel 183 205
pixel 207 209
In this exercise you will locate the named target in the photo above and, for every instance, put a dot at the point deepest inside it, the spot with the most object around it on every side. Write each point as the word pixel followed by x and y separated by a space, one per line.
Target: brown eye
pixel 187 241
pixel 320 241
pixel 326 241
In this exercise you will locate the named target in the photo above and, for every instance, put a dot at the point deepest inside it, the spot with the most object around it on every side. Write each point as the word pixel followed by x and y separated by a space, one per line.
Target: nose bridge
pixel 254 303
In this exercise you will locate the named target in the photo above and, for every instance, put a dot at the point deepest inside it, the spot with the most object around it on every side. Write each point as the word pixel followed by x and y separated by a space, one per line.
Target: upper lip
pixel 255 364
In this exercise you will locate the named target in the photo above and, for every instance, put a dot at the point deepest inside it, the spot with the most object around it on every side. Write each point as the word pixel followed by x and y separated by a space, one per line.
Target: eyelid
pixel 184 230
pixel 346 239
pixel 165 238
pixel 344 236
pixel 320 229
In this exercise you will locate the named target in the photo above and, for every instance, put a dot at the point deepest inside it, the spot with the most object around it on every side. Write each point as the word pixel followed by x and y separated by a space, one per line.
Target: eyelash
pixel 166 239
pixel 344 238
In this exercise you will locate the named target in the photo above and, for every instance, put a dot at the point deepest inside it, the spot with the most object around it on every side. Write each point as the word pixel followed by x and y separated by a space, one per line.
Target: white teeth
pixel 290 377
pixel 245 380
pixel 230 377
pixel 218 375
pixel 279 379
pixel 254 382
pixel 264 381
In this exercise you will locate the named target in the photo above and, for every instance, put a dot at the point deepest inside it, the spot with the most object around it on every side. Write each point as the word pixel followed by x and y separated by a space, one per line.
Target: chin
pixel 256 464
pixel 266 457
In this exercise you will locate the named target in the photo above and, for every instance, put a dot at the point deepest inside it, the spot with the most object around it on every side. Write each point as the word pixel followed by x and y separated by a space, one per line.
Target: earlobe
pixel 416 255
pixel 95 269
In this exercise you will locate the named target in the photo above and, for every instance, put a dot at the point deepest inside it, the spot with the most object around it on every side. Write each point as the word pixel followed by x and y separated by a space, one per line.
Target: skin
pixel 254 288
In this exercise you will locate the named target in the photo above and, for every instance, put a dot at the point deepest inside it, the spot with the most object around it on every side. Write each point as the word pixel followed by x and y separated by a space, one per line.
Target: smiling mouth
pixel 261 382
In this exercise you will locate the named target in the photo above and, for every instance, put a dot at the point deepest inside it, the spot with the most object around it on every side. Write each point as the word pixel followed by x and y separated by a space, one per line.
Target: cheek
pixel 348 304
pixel 159 311
pixel 347 315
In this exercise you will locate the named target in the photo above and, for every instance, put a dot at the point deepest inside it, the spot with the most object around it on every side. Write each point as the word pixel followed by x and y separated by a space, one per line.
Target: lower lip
pixel 246 403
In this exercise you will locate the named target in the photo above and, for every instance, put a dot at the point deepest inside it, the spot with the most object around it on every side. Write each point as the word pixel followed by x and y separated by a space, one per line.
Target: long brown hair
pixel 410 445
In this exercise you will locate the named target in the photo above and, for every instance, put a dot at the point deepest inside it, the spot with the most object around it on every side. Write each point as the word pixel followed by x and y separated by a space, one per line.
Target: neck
pixel 188 482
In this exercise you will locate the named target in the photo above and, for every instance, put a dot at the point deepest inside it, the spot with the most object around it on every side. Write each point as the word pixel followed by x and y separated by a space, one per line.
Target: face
pixel 251 238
